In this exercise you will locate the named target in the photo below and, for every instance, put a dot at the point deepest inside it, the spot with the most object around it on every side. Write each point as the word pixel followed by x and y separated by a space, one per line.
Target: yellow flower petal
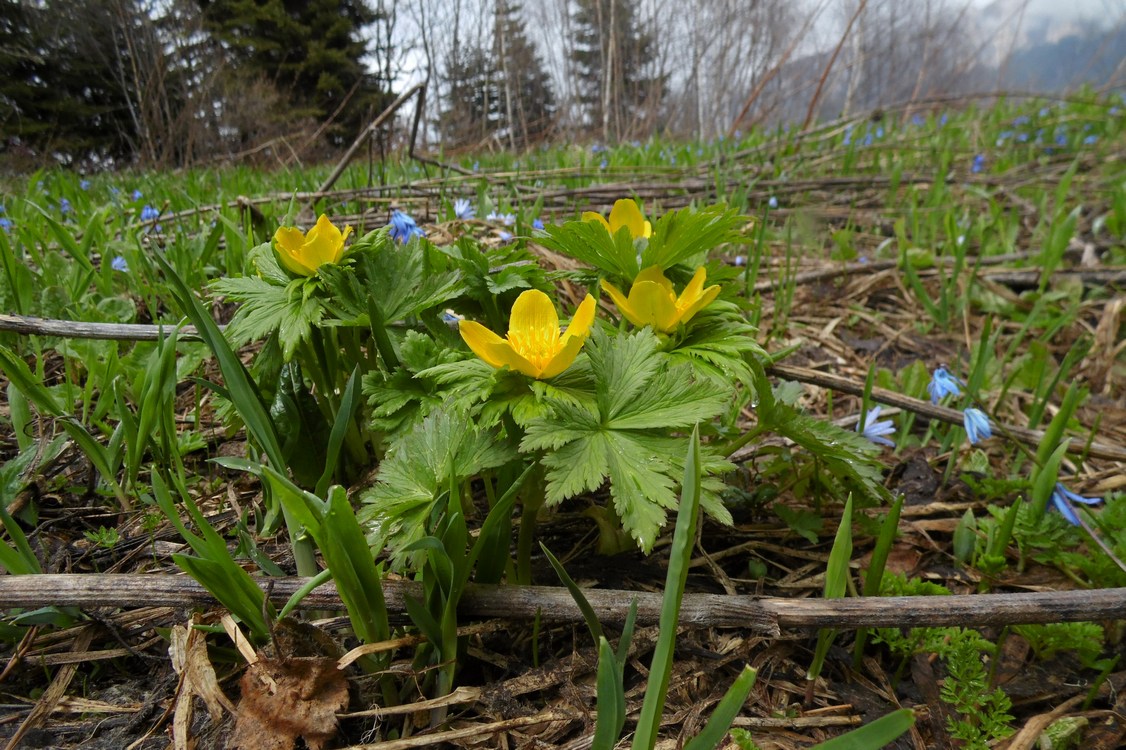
pixel 533 345
pixel 704 300
pixel 622 303
pixel 581 322
pixel 625 213
pixel 656 275
pixel 652 303
pixel 591 216
pixel 289 241
pixel 304 253
pixel 692 292
pixel 492 348
pixel 533 327
pixel 563 358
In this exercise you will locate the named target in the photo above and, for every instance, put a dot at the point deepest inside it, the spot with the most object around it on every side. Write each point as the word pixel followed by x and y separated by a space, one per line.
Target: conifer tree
pixel 611 61
pixel 310 50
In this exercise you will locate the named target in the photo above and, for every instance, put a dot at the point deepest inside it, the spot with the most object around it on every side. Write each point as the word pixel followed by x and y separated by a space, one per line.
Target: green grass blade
pixel 348 404
pixel 240 386
pixel 874 735
pixel 610 706
pixel 680 555
pixel 591 618
pixel 725 712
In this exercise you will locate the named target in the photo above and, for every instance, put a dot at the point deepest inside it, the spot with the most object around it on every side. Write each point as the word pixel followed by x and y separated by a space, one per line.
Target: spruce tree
pixel 611 62
pixel 310 50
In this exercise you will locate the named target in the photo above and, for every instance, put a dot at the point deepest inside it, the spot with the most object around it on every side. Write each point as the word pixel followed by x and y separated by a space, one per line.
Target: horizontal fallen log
pixel 764 615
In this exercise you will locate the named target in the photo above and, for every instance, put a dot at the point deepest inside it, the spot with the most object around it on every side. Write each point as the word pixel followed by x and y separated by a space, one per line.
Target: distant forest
pixel 110 83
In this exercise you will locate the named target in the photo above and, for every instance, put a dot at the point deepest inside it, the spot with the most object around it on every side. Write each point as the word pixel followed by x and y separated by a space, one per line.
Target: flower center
pixel 537 345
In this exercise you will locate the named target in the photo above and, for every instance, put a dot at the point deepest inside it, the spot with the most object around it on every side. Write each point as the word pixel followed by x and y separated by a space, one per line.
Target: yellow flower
pixel 304 253
pixel 653 302
pixel 534 345
pixel 625 213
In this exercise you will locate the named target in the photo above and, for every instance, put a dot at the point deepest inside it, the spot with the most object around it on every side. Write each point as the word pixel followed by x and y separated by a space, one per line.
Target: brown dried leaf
pixel 284 699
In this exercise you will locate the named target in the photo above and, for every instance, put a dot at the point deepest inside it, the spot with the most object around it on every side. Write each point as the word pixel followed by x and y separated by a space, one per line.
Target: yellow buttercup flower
pixel 533 345
pixel 653 302
pixel 625 213
pixel 304 253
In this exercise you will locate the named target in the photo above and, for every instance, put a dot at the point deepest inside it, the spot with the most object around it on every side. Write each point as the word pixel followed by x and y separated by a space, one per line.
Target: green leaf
pixel 624 435
pixel 725 712
pixel 418 469
pixel 610 707
pixel 267 308
pixel 680 558
pixel 879 733
pixel 680 236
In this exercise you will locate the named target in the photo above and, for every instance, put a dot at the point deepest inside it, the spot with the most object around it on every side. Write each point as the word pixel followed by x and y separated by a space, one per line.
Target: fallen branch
pixel 135 332
pixel 764 615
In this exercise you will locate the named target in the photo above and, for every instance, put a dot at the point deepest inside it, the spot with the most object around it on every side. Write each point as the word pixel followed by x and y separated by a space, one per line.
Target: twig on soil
pixel 136 332
pixel 764 615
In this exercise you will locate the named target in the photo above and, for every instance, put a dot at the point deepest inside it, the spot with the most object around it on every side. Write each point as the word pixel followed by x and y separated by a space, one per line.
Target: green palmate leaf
pixel 589 242
pixel 419 469
pixel 717 343
pixel 629 365
pixel 679 236
pixel 402 279
pixel 626 438
pixel 290 311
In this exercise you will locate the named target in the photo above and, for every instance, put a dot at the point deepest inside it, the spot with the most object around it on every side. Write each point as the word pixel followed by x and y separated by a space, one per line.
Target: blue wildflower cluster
pixel 403 227
pixel 464 210
pixel 978 427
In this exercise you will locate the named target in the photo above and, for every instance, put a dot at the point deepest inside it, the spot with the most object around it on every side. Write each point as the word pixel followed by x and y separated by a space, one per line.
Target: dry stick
pixel 136 332
pixel 764 615
pixel 367 133
pixel 927 409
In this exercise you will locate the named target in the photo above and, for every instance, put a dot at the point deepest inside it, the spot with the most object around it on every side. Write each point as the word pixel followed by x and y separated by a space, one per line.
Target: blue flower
pixel 1063 498
pixel 137 195
pixel 148 213
pixel 943 384
pixel 867 139
pixel 64 206
pixel 773 202
pixel 506 219
pixel 597 148
pixel 1061 139
pixel 84 184
pixel 880 132
pixel 464 210
pixel 942 120
pixel 1022 120
pixel 917 120
pixel 537 223
pixel 1022 137
pixel 1090 140
pixel 6 224
pixel 506 237
pixel 977 425
pixel 740 260
pixel 979 163
pixel 874 430
pixel 118 264
pixel 403 227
